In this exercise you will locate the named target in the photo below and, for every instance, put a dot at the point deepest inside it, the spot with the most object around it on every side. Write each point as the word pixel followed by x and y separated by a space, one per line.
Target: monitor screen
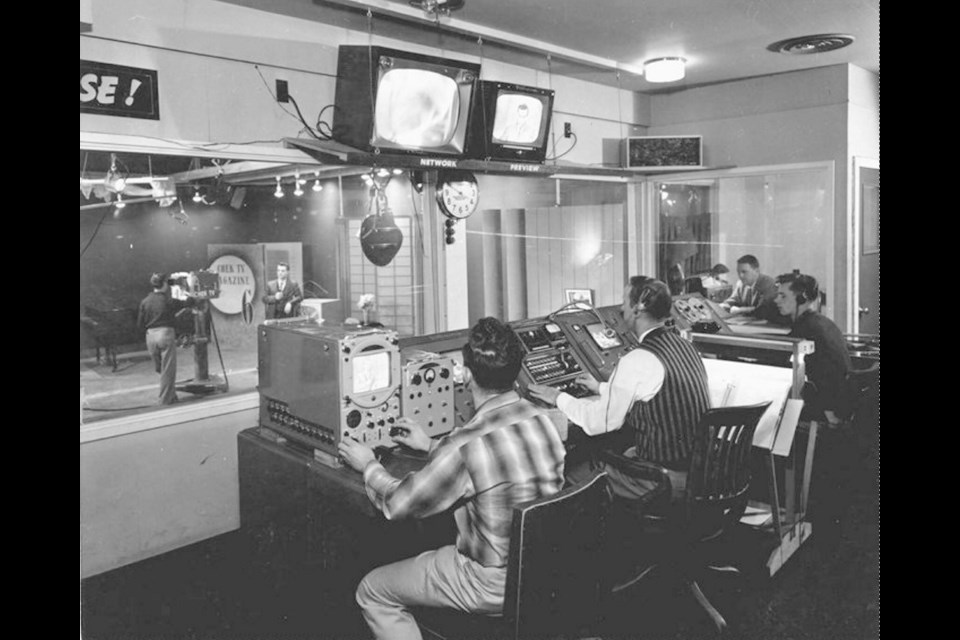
pixel 395 101
pixel 518 119
pixel 371 372
pixel 417 108
pixel 596 331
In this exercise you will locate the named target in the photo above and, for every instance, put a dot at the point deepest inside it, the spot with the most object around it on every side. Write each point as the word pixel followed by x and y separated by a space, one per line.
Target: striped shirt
pixel 508 454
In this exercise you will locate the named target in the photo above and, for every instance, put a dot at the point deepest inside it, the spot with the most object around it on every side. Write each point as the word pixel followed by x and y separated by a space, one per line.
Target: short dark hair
pixel 157 280
pixel 804 287
pixel 493 355
pixel 283 264
pixel 750 260
pixel 653 294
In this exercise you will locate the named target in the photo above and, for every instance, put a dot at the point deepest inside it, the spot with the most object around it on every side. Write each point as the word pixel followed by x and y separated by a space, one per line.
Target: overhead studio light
pixel 279 192
pixel 298 189
pixel 196 195
pixel 316 182
pixel 665 69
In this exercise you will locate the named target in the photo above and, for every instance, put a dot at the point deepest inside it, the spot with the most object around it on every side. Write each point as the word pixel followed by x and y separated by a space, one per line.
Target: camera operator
pixel 156 317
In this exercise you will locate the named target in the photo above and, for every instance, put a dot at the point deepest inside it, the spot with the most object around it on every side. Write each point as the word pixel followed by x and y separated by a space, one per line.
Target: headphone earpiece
pixel 809 290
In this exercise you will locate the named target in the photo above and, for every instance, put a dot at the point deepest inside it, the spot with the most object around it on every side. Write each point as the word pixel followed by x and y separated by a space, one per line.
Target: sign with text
pixel 115 90
pixel 237 284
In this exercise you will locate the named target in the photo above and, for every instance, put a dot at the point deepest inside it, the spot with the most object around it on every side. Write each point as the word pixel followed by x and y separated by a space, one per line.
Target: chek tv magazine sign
pixel 115 90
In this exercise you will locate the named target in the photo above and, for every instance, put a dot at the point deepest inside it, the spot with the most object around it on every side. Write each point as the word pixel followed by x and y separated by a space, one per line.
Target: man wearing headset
pixel 824 394
pixel 659 389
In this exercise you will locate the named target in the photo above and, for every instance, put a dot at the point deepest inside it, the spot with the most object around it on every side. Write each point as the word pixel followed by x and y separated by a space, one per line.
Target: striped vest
pixel 665 425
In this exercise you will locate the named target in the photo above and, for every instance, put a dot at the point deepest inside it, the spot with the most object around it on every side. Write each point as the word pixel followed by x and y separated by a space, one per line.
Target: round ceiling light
pixel 665 69
pixel 806 45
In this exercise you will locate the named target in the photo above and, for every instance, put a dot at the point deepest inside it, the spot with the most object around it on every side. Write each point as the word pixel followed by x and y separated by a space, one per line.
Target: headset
pixel 651 290
pixel 807 289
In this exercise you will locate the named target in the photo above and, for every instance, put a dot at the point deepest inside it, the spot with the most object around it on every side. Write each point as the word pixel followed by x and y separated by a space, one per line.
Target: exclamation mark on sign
pixel 134 85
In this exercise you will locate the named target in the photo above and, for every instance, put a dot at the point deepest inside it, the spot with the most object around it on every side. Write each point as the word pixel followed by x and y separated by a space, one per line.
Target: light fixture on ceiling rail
pixel 116 178
pixel 297 185
pixel 196 195
pixel 120 203
pixel 665 69
pixel 437 8
pixel 316 182
pixel 279 192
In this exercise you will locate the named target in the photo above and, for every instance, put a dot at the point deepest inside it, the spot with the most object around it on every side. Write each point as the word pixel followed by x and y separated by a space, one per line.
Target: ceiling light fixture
pixel 120 203
pixel 665 69
pixel 298 190
pixel 196 195
pixel 279 192
pixel 316 182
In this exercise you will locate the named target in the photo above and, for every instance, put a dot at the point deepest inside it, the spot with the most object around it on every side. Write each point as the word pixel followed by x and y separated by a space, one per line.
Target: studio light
pixel 279 192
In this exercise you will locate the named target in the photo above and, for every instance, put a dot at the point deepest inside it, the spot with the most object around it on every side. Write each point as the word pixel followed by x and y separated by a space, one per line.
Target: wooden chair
pixel 555 572
pixel 718 480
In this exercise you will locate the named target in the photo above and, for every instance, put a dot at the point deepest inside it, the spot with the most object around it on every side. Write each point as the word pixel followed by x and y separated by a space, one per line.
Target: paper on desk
pixel 739 383
pixel 755 516
pixel 788 427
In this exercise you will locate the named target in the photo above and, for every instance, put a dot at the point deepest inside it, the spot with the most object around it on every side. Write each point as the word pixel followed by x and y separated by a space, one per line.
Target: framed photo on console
pixel 579 295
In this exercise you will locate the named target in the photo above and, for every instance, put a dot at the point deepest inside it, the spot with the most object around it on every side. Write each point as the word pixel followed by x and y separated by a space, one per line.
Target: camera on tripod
pixel 201 284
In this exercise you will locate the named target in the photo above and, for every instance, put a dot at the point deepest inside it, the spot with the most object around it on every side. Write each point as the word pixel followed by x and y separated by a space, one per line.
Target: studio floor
pixel 134 385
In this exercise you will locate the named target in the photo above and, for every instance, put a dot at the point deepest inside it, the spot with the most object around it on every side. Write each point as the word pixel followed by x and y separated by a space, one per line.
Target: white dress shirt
pixel 637 377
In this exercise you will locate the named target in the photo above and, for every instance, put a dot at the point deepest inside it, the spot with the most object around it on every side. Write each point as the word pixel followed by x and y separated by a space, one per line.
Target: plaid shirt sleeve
pixel 423 493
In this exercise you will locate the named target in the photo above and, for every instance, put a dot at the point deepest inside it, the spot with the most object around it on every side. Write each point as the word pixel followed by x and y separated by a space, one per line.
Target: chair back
pixel 719 473
pixel 556 572
pixel 858 384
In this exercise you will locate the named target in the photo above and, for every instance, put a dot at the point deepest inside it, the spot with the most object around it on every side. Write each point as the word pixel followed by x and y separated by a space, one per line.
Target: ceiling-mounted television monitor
pixel 398 102
pixel 510 122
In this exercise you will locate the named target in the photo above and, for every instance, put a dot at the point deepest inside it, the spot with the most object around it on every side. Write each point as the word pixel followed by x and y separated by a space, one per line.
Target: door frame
pixel 855 241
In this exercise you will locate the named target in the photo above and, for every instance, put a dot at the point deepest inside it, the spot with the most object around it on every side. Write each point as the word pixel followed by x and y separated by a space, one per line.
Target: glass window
pixel 225 227
pixel 782 217
pixel 536 242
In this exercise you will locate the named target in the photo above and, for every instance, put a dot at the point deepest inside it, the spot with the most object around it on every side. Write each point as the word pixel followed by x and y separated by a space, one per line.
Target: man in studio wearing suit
pixel 283 295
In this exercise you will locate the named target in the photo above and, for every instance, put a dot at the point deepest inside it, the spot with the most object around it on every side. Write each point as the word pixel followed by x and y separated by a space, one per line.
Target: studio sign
pixel 237 285
pixel 115 90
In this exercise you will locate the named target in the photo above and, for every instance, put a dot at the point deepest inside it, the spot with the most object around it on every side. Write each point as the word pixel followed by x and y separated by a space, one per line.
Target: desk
pixel 751 326
pixel 298 513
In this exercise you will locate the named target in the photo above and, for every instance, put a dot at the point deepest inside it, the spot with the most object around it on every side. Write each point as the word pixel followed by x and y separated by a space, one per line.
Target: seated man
pixel 659 389
pixel 507 454
pixel 824 395
pixel 754 293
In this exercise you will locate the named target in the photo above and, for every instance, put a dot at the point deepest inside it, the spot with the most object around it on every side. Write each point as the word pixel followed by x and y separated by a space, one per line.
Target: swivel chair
pixel 676 537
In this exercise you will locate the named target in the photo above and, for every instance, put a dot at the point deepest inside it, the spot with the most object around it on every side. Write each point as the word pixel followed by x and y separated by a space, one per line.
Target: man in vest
pixel 659 389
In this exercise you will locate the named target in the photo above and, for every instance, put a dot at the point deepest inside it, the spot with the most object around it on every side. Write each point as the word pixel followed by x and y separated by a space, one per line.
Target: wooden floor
pixel 830 589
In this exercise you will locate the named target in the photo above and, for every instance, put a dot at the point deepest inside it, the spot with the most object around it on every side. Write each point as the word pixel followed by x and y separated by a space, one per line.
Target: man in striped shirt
pixel 507 454
pixel 660 390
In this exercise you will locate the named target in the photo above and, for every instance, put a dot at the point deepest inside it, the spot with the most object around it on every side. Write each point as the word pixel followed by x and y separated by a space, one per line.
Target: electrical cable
pixel 303 120
pixel 575 140
pixel 94 235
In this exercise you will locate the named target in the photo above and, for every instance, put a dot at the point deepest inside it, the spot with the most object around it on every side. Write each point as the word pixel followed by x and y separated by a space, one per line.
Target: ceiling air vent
pixel 820 43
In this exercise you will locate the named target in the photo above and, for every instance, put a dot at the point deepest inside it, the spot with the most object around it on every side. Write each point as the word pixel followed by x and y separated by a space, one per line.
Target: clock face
pixel 458 195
